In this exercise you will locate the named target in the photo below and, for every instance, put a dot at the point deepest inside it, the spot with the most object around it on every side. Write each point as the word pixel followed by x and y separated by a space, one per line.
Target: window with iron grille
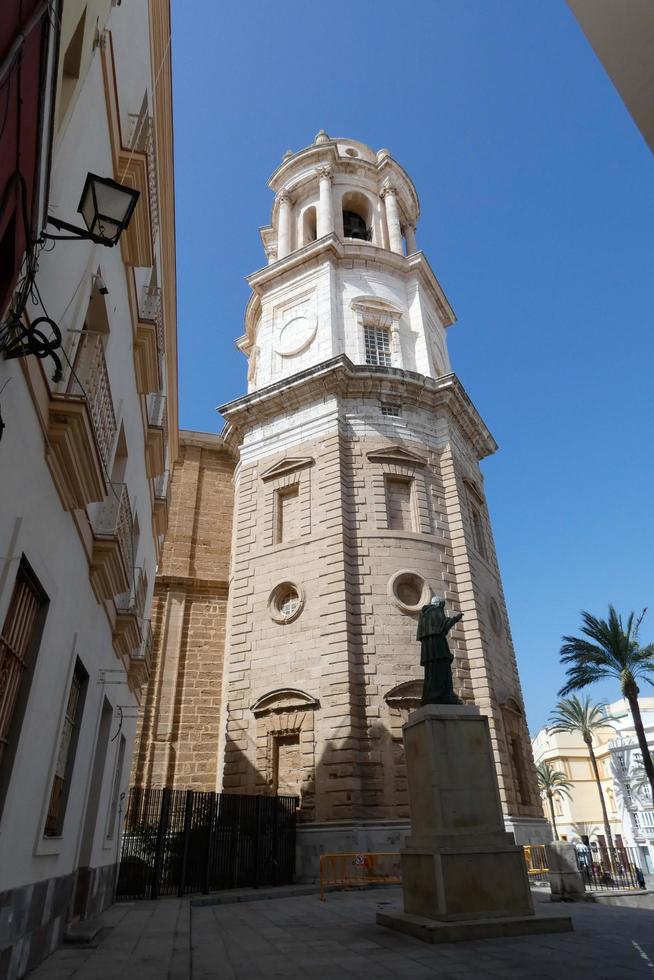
pixel 378 346
pixel 66 755
pixel 393 411
pixel 18 643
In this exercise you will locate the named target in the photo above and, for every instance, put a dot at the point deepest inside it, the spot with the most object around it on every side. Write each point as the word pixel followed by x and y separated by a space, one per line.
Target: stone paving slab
pixel 304 937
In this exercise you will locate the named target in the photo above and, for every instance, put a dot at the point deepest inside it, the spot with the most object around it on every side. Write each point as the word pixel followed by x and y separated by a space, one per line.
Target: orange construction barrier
pixel 350 870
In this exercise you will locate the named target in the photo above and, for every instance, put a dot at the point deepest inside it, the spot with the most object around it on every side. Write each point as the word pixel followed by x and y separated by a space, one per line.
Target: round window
pixel 409 591
pixel 286 602
pixel 495 617
pixel 351 152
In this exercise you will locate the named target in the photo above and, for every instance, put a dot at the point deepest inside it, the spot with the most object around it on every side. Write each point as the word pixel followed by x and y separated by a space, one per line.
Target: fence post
pixel 257 809
pixel 188 813
pixel 161 832
pixel 207 859
pixel 274 857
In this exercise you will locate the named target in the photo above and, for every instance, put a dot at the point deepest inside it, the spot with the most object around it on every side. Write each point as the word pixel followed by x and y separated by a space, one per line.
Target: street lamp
pixel 106 207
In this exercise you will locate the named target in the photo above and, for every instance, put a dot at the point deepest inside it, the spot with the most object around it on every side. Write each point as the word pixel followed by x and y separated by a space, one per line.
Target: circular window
pixel 286 602
pixel 495 617
pixel 409 591
pixel 351 153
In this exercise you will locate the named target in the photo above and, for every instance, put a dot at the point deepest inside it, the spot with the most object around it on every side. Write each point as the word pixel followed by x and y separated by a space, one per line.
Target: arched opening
pixel 357 216
pixel 309 229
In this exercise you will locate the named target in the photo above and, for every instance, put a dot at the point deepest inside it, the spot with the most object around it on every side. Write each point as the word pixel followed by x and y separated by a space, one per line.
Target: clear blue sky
pixel 536 193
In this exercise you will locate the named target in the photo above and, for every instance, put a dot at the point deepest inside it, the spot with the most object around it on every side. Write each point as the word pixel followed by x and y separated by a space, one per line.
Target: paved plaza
pixel 338 938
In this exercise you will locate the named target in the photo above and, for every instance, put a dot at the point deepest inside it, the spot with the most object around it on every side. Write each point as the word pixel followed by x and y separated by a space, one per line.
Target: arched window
pixel 357 217
pixel 309 232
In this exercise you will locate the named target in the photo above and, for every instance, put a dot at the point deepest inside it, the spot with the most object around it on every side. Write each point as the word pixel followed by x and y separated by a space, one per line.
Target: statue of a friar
pixel 435 656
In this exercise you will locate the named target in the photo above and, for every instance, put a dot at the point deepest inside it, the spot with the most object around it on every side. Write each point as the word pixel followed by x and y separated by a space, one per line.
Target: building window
pixel 478 531
pixel 66 754
pixel 399 503
pixel 286 602
pixel 287 765
pixel 115 790
pixel 392 411
pixel 518 765
pixel 72 65
pixel 287 513
pixel 18 642
pixel 378 346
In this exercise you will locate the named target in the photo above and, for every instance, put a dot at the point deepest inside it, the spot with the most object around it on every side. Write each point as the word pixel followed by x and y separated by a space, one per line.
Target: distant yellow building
pixel 629 806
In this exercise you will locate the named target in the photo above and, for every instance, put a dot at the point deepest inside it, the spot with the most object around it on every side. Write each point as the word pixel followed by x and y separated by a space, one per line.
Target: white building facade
pixel 83 466
pixel 626 792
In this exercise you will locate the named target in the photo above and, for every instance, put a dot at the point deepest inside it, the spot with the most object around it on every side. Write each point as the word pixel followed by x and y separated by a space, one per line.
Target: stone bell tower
pixel 358 496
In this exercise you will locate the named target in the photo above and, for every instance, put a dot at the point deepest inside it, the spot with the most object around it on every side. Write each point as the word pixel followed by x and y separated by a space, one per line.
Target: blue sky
pixel 536 194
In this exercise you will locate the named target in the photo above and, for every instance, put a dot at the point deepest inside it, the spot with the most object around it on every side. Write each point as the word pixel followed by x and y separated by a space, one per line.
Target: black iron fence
pixel 609 869
pixel 176 842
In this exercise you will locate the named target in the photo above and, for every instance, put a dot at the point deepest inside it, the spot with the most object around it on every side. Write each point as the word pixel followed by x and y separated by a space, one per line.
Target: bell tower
pixel 358 496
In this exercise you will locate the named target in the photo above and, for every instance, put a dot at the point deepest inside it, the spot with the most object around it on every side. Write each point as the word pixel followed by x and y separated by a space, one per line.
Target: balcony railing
pixel 162 487
pixel 114 520
pixel 150 309
pixel 133 601
pixel 142 139
pixel 90 379
pixel 157 411
pixel 143 653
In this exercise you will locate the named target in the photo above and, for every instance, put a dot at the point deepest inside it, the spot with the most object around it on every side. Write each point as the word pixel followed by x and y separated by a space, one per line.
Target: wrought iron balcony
pixel 91 379
pixel 130 610
pixel 112 561
pixel 141 657
pixel 157 434
pixel 161 501
pixel 82 426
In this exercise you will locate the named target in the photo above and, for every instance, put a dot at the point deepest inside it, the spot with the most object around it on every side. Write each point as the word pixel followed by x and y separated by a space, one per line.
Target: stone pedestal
pixel 459 865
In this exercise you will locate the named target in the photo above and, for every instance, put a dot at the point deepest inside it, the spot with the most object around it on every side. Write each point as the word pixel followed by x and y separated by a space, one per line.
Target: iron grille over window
pixel 393 411
pixel 378 346
pixel 66 755
pixel 15 640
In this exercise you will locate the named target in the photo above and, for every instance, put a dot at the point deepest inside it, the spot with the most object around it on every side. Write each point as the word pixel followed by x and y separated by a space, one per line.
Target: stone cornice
pixel 217 586
pixel 330 247
pixel 339 377
pixel 212 441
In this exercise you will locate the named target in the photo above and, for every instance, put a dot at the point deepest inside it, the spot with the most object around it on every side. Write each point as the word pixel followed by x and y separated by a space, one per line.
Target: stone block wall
pixel 179 727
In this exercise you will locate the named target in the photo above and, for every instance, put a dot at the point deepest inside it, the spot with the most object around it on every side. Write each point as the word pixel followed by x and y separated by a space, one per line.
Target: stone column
pixel 396 349
pixel 393 220
pixel 284 226
pixel 410 234
pixel 325 223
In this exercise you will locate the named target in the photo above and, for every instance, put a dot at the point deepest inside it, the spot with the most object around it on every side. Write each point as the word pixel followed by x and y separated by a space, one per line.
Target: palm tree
pixel 552 782
pixel 609 649
pixel 579 716
pixel 583 829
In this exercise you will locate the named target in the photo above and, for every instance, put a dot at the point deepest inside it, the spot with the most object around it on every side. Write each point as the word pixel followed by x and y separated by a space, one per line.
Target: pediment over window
pixel 374 303
pixel 511 704
pixel 396 454
pixel 282 700
pixel 406 695
pixel 287 465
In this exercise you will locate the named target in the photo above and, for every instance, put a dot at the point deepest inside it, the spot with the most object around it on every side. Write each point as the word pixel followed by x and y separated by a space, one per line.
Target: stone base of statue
pixel 463 877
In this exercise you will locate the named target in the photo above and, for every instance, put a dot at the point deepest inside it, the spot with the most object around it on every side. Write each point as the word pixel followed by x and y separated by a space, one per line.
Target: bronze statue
pixel 435 656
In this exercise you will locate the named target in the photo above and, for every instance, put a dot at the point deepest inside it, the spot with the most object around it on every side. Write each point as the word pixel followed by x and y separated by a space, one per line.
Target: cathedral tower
pixel 357 497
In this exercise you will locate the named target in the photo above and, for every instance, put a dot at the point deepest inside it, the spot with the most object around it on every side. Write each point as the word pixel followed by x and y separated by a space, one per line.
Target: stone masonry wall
pixel 179 727
pixel 344 673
